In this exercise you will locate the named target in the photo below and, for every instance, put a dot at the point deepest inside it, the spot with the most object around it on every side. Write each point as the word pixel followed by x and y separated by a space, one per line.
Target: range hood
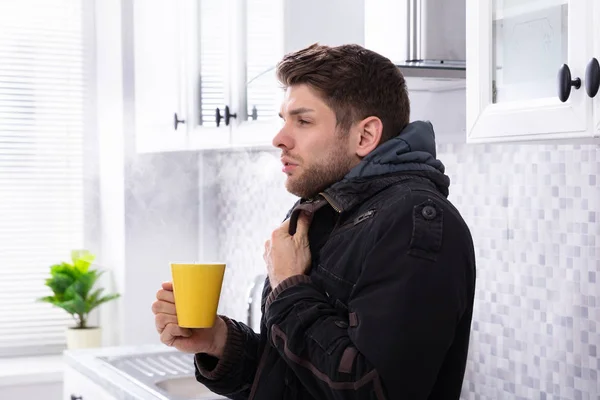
pixel 436 45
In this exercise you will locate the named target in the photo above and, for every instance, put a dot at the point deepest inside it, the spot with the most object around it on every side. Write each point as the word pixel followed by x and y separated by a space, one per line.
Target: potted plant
pixel 73 290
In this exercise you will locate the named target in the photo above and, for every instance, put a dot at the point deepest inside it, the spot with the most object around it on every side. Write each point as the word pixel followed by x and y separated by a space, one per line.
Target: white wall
pixel 445 109
pixel 148 203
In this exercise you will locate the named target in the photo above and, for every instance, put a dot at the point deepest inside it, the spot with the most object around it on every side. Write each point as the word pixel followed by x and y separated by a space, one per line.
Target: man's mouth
pixel 288 166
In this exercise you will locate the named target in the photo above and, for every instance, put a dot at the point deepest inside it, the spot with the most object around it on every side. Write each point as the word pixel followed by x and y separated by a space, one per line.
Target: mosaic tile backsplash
pixel 534 211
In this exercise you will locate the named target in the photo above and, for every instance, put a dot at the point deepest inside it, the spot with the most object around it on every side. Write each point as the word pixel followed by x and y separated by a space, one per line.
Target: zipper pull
pixel 363 217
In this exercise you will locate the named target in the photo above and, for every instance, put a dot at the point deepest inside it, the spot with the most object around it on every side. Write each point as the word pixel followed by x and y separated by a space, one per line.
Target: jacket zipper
pixel 331 202
pixel 363 216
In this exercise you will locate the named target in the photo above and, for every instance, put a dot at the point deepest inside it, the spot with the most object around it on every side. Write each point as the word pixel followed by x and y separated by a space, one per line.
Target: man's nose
pixel 282 139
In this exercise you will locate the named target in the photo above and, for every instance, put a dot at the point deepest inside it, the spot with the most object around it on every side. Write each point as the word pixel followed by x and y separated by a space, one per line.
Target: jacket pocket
pixel 428 228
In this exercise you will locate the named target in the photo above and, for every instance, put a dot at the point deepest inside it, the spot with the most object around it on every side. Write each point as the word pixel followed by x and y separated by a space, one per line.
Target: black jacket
pixel 385 311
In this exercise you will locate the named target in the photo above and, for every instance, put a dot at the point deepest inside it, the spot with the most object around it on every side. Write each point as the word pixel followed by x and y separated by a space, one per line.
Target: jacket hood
pixel 412 150
pixel 411 154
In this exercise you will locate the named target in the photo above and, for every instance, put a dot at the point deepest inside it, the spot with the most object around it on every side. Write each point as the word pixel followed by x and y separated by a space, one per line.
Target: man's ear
pixel 367 135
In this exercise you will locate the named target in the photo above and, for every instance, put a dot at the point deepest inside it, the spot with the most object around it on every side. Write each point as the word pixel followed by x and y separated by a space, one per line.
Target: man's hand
pixel 201 340
pixel 287 255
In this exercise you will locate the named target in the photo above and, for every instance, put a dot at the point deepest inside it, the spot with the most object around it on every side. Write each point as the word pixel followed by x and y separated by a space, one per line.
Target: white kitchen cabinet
pixel 514 51
pixel 79 387
pixel 192 57
pixel 157 74
pixel 180 59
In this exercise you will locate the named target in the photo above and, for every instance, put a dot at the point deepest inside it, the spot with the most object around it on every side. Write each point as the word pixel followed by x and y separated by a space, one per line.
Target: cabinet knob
pixel 177 121
pixel 565 82
pixel 73 397
pixel 592 77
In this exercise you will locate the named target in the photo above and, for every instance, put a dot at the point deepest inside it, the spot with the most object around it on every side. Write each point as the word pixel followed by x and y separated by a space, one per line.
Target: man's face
pixel 315 154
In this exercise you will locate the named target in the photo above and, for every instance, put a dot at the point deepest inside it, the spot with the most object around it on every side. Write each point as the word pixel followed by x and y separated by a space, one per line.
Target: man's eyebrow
pixel 297 111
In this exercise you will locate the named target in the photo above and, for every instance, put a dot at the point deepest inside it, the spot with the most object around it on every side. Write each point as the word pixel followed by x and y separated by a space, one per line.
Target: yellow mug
pixel 197 288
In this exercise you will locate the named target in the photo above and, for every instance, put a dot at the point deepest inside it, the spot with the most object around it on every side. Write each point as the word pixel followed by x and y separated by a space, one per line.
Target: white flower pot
pixel 84 338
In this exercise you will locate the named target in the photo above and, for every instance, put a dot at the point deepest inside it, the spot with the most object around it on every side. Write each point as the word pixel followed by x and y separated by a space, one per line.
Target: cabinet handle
pixel 177 121
pixel 565 83
pixel 73 397
pixel 254 114
pixel 228 116
pixel 218 116
pixel 592 77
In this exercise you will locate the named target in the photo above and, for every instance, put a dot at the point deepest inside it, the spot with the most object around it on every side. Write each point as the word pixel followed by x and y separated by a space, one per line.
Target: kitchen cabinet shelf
pixel 517 8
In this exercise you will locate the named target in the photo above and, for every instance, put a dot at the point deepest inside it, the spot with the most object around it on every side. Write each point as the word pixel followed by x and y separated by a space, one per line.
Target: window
pixel 42 108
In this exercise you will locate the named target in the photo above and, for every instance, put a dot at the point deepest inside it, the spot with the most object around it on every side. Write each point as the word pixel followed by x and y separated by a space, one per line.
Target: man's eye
pixel 303 122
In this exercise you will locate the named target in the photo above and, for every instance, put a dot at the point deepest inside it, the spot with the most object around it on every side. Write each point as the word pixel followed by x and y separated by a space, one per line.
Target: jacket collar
pixel 410 155
pixel 347 194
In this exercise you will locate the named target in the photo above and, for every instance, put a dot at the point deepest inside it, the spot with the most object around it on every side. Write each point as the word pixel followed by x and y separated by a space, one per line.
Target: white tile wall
pixel 534 211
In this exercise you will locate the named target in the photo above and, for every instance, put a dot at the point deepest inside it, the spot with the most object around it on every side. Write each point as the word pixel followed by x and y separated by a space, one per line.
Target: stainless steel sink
pixel 168 375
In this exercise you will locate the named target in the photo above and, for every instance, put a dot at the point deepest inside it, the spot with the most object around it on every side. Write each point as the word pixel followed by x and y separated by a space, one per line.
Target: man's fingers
pixel 162 320
pixel 167 286
pixel 163 307
pixel 165 295
pixel 167 336
pixel 172 332
pixel 304 221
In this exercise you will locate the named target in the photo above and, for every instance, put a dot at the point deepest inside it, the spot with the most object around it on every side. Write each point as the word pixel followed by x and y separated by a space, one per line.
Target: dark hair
pixel 355 82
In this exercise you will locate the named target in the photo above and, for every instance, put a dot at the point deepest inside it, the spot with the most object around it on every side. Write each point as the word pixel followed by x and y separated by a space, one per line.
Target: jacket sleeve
pixel 231 375
pixel 402 316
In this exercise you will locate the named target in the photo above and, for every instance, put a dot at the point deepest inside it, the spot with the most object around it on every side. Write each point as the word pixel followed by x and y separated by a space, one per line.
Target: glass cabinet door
pixel 526 61
pixel 529 41
pixel 260 38
pixel 208 72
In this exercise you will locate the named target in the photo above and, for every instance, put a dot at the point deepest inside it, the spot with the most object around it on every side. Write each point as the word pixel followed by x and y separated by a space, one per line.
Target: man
pixel 371 277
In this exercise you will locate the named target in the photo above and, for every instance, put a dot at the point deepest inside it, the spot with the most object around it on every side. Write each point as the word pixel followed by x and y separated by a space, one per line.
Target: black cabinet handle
pixel 218 116
pixel 177 121
pixel 592 77
pixel 254 114
pixel 227 116
pixel 565 83
pixel 73 397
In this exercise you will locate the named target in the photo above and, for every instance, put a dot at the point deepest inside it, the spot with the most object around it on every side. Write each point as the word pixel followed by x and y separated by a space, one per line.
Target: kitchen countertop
pixel 88 363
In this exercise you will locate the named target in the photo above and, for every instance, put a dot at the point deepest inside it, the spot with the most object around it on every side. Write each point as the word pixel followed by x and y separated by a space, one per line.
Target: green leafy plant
pixel 72 285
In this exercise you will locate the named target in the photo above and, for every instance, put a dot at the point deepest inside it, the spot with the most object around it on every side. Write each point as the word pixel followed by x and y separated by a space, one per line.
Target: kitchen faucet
pixel 254 299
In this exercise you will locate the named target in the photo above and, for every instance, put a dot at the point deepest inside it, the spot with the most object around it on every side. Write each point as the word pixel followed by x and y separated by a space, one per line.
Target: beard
pixel 321 174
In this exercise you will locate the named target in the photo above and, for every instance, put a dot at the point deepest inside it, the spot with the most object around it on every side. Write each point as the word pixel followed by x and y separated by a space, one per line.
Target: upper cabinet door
pixel 257 48
pixel 515 49
pixel 207 65
pixel 157 53
pixel 593 72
